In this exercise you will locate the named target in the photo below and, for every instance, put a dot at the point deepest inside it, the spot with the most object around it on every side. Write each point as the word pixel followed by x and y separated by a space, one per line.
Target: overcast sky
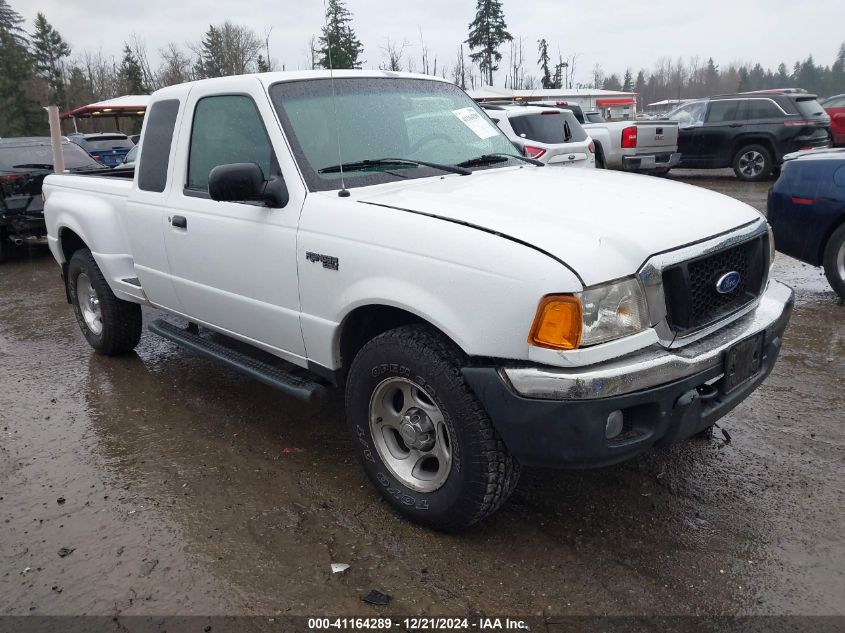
pixel 616 34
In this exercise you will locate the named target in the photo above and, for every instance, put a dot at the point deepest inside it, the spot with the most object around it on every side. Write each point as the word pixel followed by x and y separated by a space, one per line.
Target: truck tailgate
pixel 657 136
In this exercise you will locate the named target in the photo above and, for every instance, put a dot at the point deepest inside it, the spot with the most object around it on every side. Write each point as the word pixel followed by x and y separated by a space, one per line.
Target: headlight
pixel 613 310
pixel 596 315
pixel 771 247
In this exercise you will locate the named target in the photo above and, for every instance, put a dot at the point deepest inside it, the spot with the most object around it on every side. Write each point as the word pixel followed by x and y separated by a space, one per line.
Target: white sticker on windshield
pixel 475 122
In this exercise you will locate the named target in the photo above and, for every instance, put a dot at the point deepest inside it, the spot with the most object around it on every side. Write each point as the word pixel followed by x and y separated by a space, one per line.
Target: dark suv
pixel 750 132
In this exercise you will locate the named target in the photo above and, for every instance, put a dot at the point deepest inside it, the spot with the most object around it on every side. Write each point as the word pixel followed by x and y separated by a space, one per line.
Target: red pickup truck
pixel 835 107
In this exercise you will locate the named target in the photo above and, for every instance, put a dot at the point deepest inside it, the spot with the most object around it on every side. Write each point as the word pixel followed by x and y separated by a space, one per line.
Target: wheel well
pixel 365 323
pixel 762 140
pixel 70 243
pixel 839 222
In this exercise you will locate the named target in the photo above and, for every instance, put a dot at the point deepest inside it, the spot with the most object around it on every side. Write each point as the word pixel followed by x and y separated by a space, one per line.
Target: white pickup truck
pixel 641 146
pixel 481 312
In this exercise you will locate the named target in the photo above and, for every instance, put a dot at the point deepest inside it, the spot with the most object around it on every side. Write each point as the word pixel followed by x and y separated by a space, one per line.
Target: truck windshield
pixel 373 118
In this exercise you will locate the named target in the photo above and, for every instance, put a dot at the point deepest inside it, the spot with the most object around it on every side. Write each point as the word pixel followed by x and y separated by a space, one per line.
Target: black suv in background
pixel 750 132
pixel 24 163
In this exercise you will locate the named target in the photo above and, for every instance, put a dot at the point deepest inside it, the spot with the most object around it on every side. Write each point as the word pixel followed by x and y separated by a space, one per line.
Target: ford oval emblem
pixel 728 282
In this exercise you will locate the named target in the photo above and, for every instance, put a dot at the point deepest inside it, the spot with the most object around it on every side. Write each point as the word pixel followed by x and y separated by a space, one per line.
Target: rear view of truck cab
pixel 377 232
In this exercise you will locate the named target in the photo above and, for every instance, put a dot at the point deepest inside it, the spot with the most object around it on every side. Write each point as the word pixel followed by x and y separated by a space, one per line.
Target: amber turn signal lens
pixel 558 323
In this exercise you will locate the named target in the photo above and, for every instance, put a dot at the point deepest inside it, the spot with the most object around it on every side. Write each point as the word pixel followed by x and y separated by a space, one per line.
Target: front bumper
pixel 556 417
pixel 648 162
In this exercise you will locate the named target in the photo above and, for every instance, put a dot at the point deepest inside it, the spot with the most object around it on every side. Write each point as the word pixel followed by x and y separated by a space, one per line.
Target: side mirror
pixel 244 182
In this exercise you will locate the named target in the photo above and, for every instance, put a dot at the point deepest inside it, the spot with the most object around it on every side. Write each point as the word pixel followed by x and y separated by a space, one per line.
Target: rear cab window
pixel 158 132
pixel 226 129
pixel 551 127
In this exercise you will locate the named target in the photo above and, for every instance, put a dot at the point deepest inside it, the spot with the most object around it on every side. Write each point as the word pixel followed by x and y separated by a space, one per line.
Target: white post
pixel 56 138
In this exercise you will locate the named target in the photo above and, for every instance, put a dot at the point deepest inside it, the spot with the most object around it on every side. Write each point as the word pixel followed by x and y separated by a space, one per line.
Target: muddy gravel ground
pixel 161 483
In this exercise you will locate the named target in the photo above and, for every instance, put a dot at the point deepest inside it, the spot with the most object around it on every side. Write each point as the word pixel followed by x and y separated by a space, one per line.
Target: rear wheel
pixel 425 440
pixel 600 161
pixel 110 325
pixel 752 163
pixel 834 261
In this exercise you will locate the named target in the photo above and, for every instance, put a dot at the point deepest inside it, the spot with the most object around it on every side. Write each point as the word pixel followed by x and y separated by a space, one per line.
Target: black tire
pixel 3 248
pixel 600 161
pixel 753 163
pixel 482 473
pixel 834 261
pixel 121 320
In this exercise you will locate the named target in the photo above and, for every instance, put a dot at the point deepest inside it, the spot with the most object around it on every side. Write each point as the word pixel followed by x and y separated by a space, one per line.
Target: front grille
pixel 690 288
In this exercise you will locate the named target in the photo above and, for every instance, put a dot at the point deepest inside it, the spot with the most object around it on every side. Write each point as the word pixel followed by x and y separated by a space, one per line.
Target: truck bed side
pixel 91 209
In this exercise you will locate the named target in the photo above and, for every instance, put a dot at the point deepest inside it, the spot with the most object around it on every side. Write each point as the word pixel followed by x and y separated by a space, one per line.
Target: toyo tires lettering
pixel 390 368
pixel 365 444
pixel 397 493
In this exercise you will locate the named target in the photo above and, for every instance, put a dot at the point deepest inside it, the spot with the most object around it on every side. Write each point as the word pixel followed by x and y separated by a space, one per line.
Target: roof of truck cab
pixel 268 79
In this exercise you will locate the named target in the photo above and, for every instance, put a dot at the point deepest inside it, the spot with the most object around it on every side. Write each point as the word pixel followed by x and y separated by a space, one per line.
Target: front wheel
pixel 752 163
pixel 425 440
pixel 834 261
pixel 110 325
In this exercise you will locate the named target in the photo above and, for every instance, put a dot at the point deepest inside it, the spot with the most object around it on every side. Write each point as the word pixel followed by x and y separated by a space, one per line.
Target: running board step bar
pixel 284 380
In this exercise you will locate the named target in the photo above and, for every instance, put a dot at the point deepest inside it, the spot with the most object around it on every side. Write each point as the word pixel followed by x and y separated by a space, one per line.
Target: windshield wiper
pixel 498 157
pixel 362 165
pixel 33 166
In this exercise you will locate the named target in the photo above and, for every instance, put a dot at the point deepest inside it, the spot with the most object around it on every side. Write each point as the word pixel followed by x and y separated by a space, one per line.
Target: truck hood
pixel 604 225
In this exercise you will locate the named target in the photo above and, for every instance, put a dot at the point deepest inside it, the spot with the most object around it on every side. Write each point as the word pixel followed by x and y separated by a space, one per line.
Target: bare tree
pixel 313 53
pixel 459 74
pixel 424 55
pixel 598 76
pixel 227 49
pixel 139 49
pixel 175 66
pixel 516 71
pixel 393 53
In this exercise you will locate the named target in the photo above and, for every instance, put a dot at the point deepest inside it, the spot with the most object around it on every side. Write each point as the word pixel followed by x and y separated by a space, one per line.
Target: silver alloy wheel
pixel 840 261
pixel 89 304
pixel 751 163
pixel 410 434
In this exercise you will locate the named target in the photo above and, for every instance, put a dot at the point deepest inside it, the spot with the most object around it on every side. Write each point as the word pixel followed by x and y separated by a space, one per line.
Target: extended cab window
pixel 762 109
pixel 721 111
pixel 227 129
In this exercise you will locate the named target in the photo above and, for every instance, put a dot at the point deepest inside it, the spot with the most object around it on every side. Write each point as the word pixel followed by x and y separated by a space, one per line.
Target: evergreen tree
pixel 711 77
pixel 10 23
pixel 263 66
pixel 628 82
pixel 19 114
pixel 487 32
pixel 744 80
pixel 782 78
pixel 640 85
pixel 210 62
pixel 837 73
pixel 130 74
pixel 543 62
pixel 339 46
pixel 48 52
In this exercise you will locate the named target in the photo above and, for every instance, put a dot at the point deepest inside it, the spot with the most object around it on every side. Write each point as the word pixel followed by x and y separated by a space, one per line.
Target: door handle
pixel 736 124
pixel 179 221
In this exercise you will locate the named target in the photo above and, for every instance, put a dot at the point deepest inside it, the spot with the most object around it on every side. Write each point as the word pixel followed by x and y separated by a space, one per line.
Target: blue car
pixel 807 211
pixel 107 148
